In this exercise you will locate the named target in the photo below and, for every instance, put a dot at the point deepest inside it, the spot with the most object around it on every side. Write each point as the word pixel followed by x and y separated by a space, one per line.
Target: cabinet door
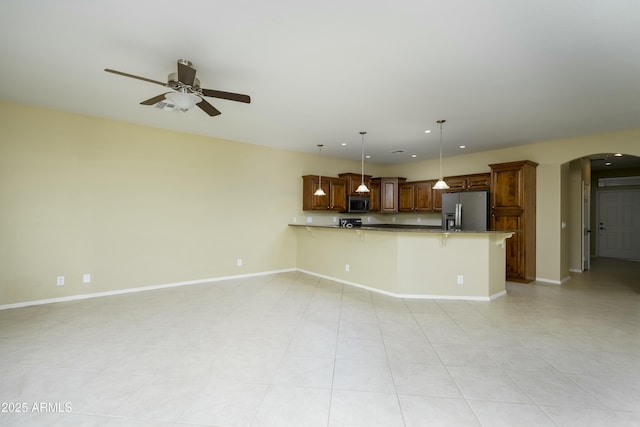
pixel 389 195
pixel 354 180
pixel 436 198
pixel 456 184
pixel 478 182
pixel 422 196
pixel 514 247
pixel 506 188
pixel 309 200
pixel 406 199
pixel 338 194
pixel 374 196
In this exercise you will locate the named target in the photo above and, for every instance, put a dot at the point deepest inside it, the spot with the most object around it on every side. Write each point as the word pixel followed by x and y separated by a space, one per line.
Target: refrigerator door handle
pixel 458 216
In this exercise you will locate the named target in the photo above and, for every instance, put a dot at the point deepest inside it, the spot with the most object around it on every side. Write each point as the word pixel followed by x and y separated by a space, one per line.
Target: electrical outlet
pixel 239 262
pixel 86 278
pixel 60 280
pixel 309 219
pixel 347 267
pixel 335 219
pixel 460 279
pixel 418 220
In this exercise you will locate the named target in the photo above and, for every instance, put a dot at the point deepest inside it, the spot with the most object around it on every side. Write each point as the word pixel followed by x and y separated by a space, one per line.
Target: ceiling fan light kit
pixel 182 100
pixel 188 92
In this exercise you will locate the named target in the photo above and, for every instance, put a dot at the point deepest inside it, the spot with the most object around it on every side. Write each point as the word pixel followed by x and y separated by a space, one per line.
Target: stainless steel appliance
pixel 350 222
pixel 468 210
pixel 358 204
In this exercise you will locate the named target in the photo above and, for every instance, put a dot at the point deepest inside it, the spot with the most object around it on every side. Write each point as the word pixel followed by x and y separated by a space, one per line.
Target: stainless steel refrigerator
pixel 467 210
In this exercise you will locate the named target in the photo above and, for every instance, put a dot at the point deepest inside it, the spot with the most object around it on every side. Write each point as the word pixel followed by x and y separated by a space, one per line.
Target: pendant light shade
pixel 320 191
pixel 441 185
pixel 362 188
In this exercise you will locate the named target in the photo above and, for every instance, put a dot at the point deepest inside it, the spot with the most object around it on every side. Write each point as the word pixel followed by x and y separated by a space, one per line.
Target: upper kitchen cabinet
pixel 388 194
pixel 374 195
pixel 354 180
pixel 513 208
pixel 474 182
pixel 479 181
pixel 335 198
pixel 415 196
pixel 436 198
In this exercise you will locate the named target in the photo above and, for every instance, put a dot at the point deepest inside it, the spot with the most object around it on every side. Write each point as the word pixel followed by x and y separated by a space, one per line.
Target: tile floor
pixel 295 350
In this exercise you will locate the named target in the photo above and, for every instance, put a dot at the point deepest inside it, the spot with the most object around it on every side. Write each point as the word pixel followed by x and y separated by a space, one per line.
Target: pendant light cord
pixel 440 122
pixel 320 160
pixel 362 157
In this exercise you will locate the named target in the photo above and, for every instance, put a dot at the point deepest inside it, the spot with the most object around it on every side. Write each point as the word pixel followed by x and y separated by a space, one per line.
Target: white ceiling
pixel 501 72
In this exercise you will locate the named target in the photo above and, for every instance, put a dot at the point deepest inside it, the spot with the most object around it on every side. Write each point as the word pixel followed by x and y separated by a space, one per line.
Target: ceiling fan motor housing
pixel 172 80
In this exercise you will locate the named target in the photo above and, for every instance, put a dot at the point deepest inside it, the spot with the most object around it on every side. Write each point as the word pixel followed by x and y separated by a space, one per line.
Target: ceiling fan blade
pixel 226 95
pixel 154 100
pixel 208 108
pixel 108 70
pixel 186 74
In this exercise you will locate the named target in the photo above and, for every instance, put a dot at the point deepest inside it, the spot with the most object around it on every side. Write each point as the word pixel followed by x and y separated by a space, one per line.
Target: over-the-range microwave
pixel 357 204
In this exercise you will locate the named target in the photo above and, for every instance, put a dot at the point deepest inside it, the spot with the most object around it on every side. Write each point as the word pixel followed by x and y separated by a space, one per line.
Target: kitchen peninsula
pixel 406 261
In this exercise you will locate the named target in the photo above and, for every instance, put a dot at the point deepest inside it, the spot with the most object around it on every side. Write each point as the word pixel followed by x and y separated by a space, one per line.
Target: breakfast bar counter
pixel 407 261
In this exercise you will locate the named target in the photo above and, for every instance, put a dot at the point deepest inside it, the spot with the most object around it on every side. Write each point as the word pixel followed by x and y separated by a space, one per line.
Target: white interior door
pixel 586 226
pixel 619 224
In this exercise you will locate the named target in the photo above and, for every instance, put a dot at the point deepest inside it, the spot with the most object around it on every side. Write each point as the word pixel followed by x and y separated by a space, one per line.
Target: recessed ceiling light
pixel 463 146
pixel 618 154
pixel 368 156
pixel 427 131
pixel 343 144
pixel 607 163
pixel 414 155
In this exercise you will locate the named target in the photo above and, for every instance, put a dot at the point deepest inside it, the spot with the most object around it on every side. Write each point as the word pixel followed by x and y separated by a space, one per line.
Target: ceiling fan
pixel 188 92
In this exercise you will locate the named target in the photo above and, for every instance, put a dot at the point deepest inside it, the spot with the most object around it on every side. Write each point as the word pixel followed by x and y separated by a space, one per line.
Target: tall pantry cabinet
pixel 513 208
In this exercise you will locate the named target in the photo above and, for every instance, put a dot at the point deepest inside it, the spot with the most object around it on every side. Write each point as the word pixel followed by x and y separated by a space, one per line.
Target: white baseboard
pixel 139 289
pixel 553 282
pixel 406 296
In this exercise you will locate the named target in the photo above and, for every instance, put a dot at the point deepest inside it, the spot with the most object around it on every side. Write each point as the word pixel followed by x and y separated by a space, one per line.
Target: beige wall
pixel 574 201
pixel 415 264
pixel 136 206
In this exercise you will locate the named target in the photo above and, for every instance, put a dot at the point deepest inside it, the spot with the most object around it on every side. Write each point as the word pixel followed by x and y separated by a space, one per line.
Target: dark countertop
pixel 397 228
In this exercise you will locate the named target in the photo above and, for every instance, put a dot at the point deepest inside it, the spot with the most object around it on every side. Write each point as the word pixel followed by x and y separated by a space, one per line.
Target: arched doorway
pixel 604 193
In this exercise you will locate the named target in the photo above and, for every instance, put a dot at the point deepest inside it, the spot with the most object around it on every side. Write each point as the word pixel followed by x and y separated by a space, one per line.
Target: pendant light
pixel 441 185
pixel 320 191
pixel 362 188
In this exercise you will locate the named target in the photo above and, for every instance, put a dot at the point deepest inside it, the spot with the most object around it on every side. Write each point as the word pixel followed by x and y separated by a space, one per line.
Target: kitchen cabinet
pixel 513 208
pixel 335 198
pixel 415 196
pixel 353 182
pixel 456 183
pixel 374 195
pixel 479 181
pixel 436 198
pixel 473 182
pixel 387 201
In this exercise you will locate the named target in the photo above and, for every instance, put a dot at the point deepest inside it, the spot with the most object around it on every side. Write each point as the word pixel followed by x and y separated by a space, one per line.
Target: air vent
pixel 397 151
